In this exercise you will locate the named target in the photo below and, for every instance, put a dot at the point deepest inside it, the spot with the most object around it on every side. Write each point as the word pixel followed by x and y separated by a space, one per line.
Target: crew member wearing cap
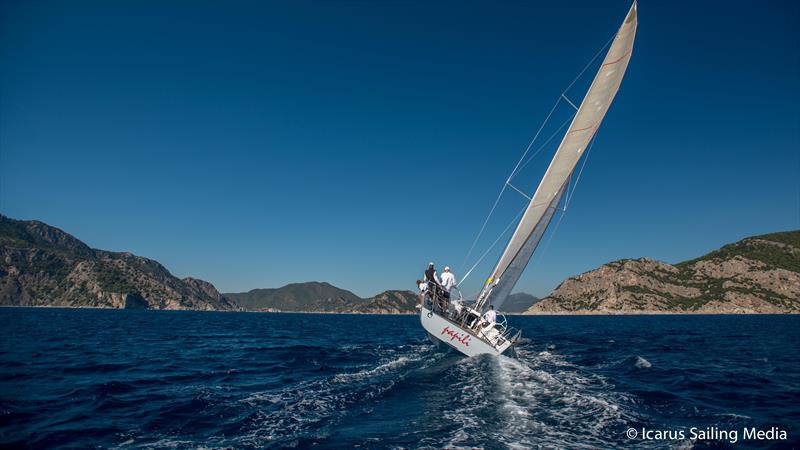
pixel 448 280
pixel 431 276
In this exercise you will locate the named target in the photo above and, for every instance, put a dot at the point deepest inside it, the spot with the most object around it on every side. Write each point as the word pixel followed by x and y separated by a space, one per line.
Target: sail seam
pixel 616 60
pixel 542 147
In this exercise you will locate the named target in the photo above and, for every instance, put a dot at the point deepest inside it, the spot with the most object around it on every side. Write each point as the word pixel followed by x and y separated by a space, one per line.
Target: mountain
pixel 519 302
pixel 390 302
pixel 41 265
pixel 759 274
pixel 311 296
pixel 323 297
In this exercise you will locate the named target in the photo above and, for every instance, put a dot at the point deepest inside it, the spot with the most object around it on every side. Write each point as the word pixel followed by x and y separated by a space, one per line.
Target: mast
pixel 548 194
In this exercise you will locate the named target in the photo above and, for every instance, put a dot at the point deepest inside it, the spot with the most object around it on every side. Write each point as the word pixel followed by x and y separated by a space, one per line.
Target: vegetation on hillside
pixel 776 250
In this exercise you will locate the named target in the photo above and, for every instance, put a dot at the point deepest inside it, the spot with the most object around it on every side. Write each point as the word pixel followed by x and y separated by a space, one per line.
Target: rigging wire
pixel 535 136
pixel 568 198
pixel 505 185
pixel 508 184
pixel 524 154
pixel 555 133
pixel 580 172
pixel 590 62
pixel 513 221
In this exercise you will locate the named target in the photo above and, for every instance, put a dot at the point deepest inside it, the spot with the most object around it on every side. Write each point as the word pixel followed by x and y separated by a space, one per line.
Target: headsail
pixel 545 201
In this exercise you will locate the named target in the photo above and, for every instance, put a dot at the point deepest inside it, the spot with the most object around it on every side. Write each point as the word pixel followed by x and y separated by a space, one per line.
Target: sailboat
pixel 460 325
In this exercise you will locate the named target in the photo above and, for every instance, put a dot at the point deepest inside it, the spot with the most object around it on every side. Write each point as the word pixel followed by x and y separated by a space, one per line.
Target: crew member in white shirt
pixel 423 291
pixel 490 317
pixel 448 279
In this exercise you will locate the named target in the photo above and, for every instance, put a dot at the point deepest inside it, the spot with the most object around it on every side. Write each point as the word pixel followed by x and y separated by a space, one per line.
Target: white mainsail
pixel 545 201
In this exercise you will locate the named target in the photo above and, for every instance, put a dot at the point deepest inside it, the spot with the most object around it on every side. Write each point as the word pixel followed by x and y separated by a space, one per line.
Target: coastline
pixel 207 310
pixel 548 314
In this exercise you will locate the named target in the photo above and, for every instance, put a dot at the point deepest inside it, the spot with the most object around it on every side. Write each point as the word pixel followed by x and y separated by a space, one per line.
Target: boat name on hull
pixel 456 336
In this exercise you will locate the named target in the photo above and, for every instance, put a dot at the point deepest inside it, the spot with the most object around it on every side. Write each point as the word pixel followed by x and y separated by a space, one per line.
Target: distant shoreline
pixel 657 313
pixel 205 310
pixel 548 314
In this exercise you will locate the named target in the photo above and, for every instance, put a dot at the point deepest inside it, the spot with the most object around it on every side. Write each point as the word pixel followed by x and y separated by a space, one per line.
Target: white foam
pixel 736 416
pixel 540 399
pixel 642 363
pixel 381 369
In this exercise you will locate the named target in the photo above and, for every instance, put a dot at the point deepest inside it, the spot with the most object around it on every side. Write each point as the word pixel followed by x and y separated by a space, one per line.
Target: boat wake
pixel 310 411
pixel 534 400
pixel 538 398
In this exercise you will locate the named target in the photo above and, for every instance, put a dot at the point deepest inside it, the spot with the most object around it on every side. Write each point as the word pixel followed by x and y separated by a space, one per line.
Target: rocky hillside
pixel 41 265
pixel 760 274
pixel 323 297
pixel 390 302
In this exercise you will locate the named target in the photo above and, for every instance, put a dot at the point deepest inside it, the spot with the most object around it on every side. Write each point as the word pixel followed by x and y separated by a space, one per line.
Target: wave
pixel 641 363
pixel 536 399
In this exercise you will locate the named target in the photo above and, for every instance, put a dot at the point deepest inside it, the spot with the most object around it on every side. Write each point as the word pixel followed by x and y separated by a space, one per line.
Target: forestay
pixel 545 201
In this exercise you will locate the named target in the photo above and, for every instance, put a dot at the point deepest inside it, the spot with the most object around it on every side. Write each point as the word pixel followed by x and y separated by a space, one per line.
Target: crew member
pixel 423 291
pixel 430 275
pixel 435 287
pixel 448 280
pixel 489 317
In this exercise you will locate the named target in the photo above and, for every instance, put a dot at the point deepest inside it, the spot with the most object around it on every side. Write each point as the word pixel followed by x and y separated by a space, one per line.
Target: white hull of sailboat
pixel 453 335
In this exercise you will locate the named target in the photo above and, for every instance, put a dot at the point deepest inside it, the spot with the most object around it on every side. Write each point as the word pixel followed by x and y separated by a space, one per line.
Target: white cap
pixel 446 267
pixel 430 264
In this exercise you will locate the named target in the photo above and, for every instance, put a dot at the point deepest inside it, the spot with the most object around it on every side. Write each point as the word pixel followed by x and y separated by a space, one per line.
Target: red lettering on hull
pixel 456 336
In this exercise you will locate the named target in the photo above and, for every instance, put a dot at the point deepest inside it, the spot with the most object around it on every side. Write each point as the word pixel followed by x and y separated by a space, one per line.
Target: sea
pixel 85 378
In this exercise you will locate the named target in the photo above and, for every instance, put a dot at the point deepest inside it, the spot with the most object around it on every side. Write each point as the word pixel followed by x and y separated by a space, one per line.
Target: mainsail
pixel 545 201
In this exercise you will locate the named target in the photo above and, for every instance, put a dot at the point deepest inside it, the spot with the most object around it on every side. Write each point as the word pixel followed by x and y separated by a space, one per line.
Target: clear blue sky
pixel 254 144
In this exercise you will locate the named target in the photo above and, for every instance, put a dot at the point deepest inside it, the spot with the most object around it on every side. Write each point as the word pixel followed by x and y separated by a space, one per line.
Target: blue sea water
pixel 159 379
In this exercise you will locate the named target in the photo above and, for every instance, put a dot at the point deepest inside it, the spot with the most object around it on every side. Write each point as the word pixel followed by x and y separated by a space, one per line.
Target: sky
pixel 255 144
